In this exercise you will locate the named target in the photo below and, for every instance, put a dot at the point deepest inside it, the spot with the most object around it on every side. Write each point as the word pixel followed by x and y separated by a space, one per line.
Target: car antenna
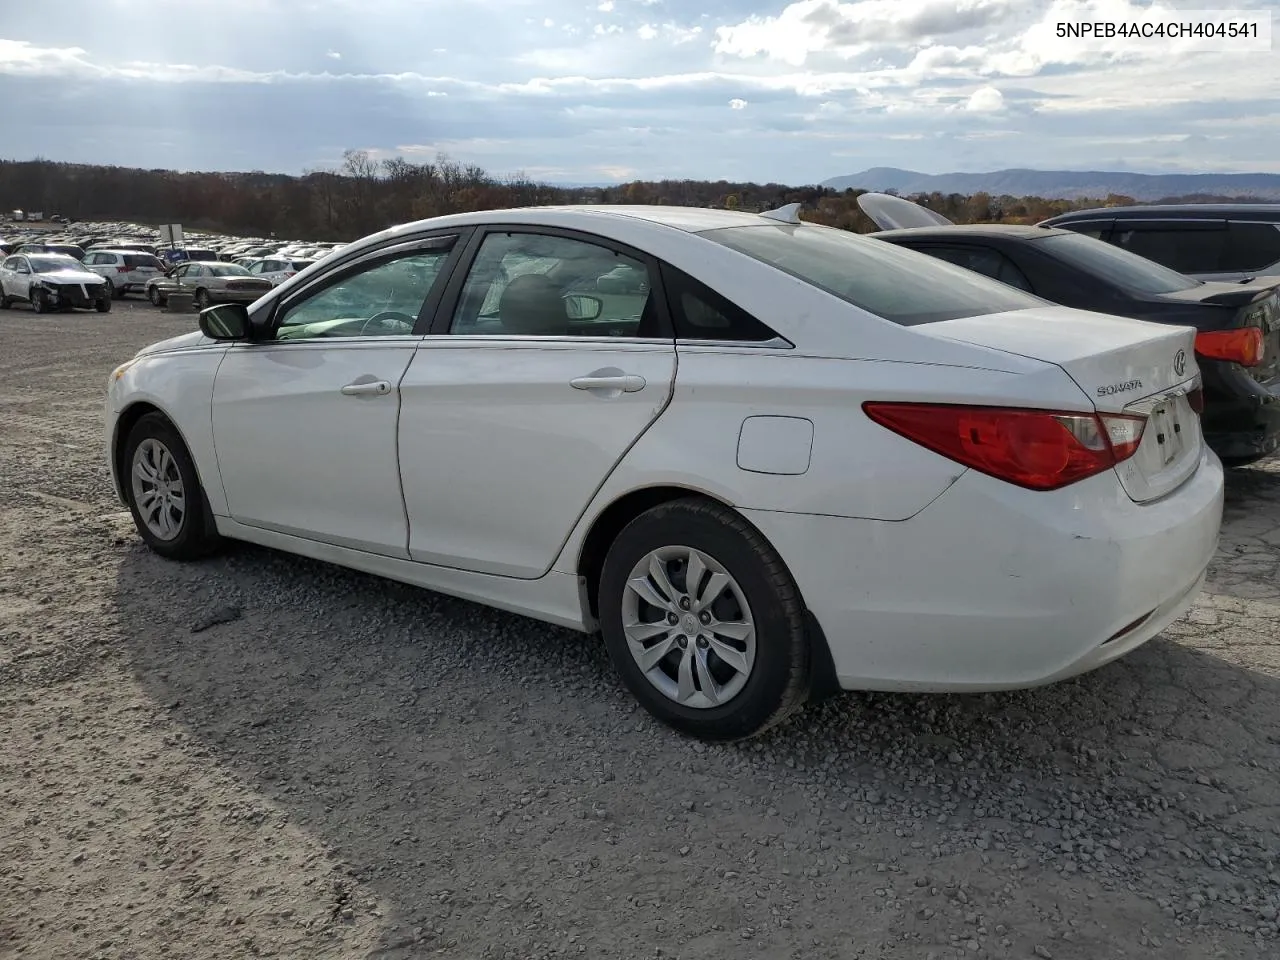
pixel 785 214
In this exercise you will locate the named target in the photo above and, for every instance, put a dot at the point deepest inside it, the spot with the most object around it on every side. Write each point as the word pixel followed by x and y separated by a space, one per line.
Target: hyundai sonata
pixel 765 459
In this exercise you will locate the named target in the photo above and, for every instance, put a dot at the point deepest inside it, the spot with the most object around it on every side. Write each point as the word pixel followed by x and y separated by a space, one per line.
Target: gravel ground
pixel 262 756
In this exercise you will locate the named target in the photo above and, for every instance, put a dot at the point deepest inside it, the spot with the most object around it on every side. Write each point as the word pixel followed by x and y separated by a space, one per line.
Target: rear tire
pixel 731 669
pixel 154 296
pixel 202 299
pixel 164 493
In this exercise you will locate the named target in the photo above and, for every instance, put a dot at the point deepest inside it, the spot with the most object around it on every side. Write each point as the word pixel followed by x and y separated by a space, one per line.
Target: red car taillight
pixel 1036 449
pixel 123 269
pixel 1244 345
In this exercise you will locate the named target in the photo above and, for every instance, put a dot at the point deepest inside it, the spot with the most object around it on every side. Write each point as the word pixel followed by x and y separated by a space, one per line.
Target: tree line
pixel 365 194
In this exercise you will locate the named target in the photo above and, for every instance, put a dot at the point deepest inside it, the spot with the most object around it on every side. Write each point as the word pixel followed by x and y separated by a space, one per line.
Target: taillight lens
pixel 1036 449
pixel 1244 345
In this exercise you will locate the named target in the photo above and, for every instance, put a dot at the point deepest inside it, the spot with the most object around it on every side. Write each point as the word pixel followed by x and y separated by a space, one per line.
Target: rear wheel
pixel 165 496
pixel 703 621
pixel 154 296
pixel 202 299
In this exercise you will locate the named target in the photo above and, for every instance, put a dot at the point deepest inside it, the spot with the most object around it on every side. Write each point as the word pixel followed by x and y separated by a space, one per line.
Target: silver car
pixel 209 281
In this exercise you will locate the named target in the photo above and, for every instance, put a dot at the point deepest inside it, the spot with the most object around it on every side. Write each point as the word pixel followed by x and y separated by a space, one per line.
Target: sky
pixel 599 91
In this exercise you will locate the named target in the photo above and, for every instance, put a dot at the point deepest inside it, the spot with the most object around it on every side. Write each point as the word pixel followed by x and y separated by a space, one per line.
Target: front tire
pixel 103 303
pixel 703 621
pixel 165 497
pixel 39 300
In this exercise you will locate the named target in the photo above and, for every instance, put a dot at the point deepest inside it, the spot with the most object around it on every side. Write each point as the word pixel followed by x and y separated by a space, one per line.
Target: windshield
pixel 1128 271
pixel 50 262
pixel 228 270
pixel 892 282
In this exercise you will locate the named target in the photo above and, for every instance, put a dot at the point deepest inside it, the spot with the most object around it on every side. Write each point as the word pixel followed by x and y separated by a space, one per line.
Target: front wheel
pixel 703 621
pixel 103 303
pixel 164 492
pixel 39 300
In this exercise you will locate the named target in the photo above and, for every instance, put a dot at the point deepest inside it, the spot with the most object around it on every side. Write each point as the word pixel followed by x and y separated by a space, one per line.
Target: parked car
pixel 126 271
pixel 51 281
pixel 65 249
pixel 1238 324
pixel 210 281
pixel 1210 241
pixel 277 269
pixel 872 470
pixel 172 255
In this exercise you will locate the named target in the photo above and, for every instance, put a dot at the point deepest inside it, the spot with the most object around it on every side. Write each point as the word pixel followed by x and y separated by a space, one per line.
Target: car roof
pixel 972 230
pixel 1179 211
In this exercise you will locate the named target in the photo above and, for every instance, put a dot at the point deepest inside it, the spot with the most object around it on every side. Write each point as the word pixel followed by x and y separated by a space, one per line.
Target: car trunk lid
pixel 1129 368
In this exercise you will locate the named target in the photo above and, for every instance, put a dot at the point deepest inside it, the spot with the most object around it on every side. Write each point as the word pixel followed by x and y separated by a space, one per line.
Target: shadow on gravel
pixel 490 779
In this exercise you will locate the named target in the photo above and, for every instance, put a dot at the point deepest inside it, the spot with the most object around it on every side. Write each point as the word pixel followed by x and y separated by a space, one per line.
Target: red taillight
pixel 1036 449
pixel 1244 346
pixel 1196 399
pixel 122 269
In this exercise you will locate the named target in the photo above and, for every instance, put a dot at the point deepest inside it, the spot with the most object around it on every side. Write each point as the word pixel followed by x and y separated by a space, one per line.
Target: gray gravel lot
pixel 345 767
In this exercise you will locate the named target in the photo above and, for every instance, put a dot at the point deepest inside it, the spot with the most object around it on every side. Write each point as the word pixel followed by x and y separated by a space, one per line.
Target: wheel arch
pixel 124 425
pixel 610 521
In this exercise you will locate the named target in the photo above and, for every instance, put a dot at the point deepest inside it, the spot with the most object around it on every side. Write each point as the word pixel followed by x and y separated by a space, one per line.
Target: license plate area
pixel 1168 430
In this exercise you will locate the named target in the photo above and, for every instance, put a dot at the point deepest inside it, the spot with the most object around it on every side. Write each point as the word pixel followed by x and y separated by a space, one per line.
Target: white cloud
pixel 605 6
pixel 737 103
pixel 985 100
pixel 333 55
pixel 646 32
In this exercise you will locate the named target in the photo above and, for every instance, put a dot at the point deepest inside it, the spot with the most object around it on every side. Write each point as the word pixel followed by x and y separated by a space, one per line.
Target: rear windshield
pixel 142 260
pixel 228 270
pixel 892 282
pixel 201 255
pixel 302 264
pixel 1128 271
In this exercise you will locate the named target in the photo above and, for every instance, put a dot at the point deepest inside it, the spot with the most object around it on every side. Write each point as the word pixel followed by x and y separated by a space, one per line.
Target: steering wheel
pixel 387 317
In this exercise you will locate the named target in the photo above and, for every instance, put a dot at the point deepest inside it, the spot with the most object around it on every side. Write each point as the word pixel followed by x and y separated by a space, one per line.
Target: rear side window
pixel 141 260
pixel 1252 246
pixel 904 286
pixel 699 313
pixel 984 260
pixel 1187 250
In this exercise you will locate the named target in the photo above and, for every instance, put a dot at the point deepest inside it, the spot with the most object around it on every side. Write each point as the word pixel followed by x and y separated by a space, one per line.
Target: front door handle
pixel 626 382
pixel 367 388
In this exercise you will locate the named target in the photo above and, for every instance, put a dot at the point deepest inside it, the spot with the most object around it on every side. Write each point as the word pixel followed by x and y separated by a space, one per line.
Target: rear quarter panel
pixel 856 468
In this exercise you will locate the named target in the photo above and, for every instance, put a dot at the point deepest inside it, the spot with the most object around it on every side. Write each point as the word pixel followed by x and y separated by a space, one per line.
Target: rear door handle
pixel 626 382
pixel 366 388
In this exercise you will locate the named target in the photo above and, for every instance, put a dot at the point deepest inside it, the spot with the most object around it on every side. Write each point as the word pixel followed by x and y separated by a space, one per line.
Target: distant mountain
pixel 1066 184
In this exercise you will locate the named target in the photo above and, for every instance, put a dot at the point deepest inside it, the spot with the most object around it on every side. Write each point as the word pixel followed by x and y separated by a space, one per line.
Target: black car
pixel 1211 241
pixel 1238 343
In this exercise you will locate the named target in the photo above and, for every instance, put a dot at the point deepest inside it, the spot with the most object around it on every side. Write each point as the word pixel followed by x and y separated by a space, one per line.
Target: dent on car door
pixel 554 356
pixel 305 422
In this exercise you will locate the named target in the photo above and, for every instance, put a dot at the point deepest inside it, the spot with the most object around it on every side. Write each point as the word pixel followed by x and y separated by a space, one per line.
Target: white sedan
pixel 764 459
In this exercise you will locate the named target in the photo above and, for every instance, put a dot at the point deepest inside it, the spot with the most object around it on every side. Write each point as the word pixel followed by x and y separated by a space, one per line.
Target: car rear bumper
pixel 994 587
pixel 1241 418
pixel 237 296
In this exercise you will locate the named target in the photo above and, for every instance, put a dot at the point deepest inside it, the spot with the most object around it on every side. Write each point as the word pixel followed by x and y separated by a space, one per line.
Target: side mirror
pixel 581 306
pixel 225 321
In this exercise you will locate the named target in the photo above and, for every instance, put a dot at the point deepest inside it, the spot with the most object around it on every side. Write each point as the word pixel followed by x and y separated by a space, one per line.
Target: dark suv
pixel 1210 241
